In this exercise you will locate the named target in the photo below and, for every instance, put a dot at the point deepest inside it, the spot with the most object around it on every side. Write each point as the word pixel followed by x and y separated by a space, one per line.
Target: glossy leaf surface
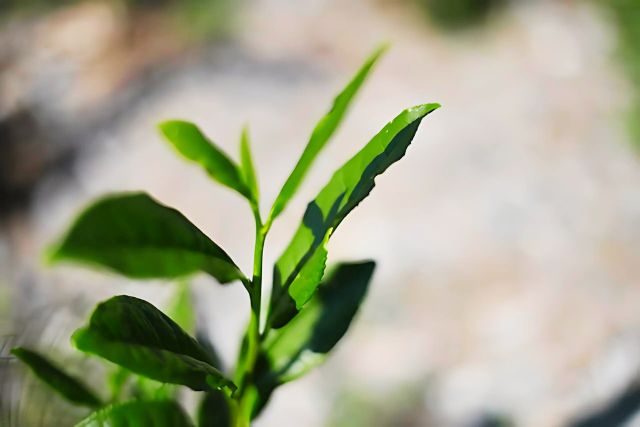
pixel 305 342
pixel 348 186
pixel 138 237
pixel 132 333
pixel 322 133
pixel 68 387
pixel 140 413
pixel 189 141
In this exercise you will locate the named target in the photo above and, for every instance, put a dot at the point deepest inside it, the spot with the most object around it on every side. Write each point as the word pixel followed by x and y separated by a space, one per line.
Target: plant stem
pixel 246 395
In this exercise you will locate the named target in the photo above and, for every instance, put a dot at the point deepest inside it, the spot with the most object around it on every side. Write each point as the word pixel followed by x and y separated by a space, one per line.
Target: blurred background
pixel 508 239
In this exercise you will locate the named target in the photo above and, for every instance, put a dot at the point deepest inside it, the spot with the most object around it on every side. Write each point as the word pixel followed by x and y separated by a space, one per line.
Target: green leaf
pixel 139 413
pixel 136 236
pixel 348 186
pixel 189 141
pixel 214 410
pixel 322 133
pixel 303 286
pixel 132 333
pixel 248 169
pixel 181 309
pixel 68 387
pixel 117 380
pixel 305 342
pixel 147 389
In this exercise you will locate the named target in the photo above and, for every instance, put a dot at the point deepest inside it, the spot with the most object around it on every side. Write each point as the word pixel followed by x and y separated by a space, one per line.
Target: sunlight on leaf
pixel 348 186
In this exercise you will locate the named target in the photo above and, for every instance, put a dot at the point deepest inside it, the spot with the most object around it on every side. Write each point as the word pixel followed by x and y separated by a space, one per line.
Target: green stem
pixel 247 394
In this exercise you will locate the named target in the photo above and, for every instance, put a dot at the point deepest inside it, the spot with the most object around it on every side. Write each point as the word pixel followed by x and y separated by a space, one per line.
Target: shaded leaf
pixel 348 186
pixel 132 333
pixel 68 387
pixel 248 168
pixel 214 410
pixel 203 339
pixel 189 141
pixel 138 237
pixel 139 413
pixel 322 133
pixel 305 341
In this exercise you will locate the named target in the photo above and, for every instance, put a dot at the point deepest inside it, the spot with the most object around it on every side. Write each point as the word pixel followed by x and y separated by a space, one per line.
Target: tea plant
pixel 308 313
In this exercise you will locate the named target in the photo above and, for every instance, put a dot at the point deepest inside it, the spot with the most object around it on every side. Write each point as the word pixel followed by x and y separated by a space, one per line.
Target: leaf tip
pixel 427 108
pixel 166 126
pixel 245 131
pixel 52 254
pixel 382 49
pixel 17 352
pixel 173 128
pixel 76 337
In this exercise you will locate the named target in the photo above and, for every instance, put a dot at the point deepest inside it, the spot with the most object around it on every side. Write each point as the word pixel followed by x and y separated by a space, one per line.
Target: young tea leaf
pixel 248 169
pixel 305 342
pixel 189 141
pixel 136 236
pixel 348 186
pixel 68 387
pixel 322 133
pixel 139 413
pixel 132 333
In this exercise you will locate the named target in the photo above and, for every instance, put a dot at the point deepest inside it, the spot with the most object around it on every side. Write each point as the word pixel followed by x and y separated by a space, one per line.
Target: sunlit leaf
pixel 302 287
pixel 140 413
pixel 138 237
pixel 248 168
pixel 189 141
pixel 68 387
pixel 322 133
pixel 348 186
pixel 305 342
pixel 132 333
